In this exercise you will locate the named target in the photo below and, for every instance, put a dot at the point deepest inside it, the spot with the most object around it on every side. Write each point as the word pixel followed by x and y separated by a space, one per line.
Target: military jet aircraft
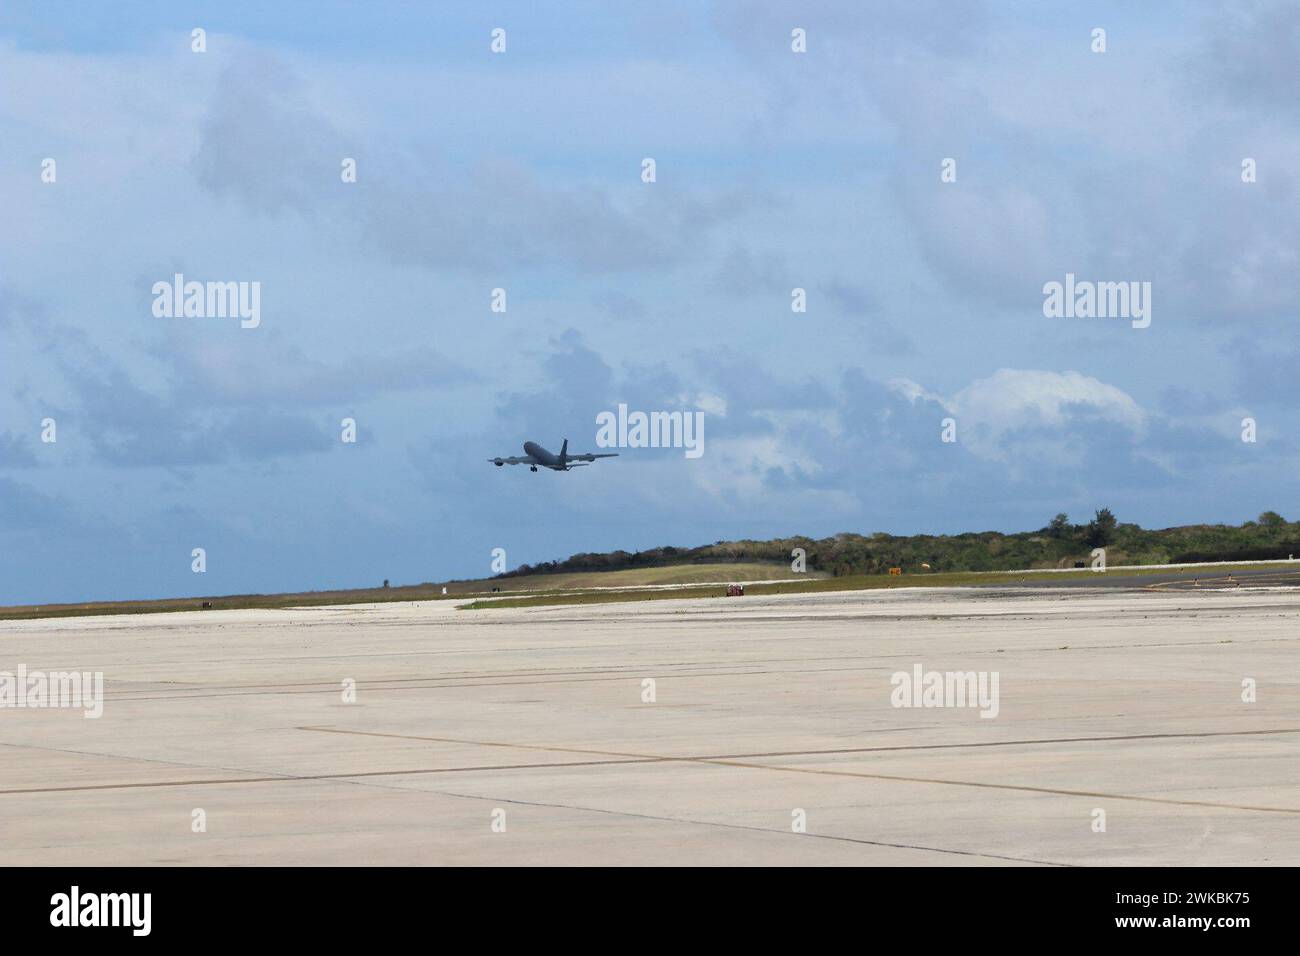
pixel 538 457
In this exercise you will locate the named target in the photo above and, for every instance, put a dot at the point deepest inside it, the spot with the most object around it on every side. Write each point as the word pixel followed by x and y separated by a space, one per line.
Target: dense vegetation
pixel 1058 545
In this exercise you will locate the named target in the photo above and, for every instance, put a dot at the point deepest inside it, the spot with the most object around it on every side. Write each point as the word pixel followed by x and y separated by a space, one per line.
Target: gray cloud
pixel 1249 56
pixel 262 142
pixel 15 452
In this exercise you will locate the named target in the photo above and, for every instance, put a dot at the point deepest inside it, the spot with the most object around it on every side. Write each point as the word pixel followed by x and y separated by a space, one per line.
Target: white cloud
pixel 1023 415
pixel 1011 398
pixel 912 391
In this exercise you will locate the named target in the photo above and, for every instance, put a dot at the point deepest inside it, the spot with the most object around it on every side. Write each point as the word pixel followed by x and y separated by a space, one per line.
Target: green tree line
pixel 1059 544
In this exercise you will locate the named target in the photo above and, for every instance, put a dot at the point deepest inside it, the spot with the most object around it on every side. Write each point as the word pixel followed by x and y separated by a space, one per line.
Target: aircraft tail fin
pixel 564 451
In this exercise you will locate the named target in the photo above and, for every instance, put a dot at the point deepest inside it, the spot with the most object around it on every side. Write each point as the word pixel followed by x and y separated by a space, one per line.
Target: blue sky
pixel 521 170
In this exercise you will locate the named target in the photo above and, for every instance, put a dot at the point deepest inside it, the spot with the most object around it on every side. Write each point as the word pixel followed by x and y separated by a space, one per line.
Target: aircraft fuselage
pixel 543 457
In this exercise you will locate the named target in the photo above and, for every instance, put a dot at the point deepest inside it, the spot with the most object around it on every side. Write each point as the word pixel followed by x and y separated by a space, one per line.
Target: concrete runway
pixel 1125 702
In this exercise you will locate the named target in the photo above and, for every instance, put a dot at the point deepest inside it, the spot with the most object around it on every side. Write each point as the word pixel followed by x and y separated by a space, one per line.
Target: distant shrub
pixel 1060 544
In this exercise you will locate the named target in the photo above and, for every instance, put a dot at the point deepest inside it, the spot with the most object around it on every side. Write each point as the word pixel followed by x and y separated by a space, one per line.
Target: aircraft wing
pixel 516 460
pixel 591 457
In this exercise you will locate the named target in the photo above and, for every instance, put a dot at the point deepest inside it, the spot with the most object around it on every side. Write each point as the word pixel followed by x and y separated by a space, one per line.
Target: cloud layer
pixel 776 172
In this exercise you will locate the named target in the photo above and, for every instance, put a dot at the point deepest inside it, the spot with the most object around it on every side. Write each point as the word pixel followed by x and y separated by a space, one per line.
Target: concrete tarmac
pixel 528 736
